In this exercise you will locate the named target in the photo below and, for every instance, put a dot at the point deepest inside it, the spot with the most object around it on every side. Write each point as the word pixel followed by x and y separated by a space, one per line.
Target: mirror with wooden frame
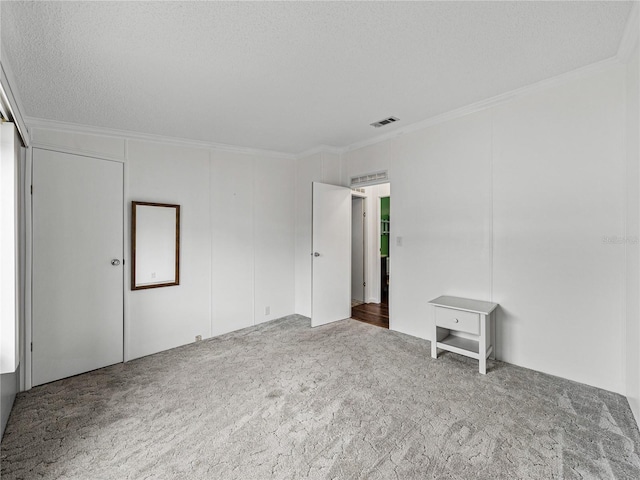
pixel 155 245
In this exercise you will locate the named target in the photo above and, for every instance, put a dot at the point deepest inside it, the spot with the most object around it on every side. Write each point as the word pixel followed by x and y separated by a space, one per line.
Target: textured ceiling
pixel 289 76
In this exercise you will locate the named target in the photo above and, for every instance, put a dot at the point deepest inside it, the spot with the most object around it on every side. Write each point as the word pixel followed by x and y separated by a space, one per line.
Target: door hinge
pixel 364 284
pixel 32 346
pixel 123 261
pixel 364 214
pixel 31 189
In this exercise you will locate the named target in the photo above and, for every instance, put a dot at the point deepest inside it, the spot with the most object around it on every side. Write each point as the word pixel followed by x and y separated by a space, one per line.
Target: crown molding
pixel 69 127
pixel 12 97
pixel 489 102
pixel 320 149
pixel 629 39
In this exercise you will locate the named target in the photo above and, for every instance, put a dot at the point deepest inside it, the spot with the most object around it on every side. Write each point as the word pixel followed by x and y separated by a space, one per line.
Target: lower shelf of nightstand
pixel 462 346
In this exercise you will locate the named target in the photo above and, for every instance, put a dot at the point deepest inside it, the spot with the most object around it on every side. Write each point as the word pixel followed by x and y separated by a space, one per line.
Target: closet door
pixel 77 317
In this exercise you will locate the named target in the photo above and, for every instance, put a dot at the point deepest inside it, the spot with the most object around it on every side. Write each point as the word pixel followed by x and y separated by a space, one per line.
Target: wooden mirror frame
pixel 176 281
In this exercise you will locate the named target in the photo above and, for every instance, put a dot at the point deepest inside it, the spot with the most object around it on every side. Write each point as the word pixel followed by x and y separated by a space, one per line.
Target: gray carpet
pixel 343 401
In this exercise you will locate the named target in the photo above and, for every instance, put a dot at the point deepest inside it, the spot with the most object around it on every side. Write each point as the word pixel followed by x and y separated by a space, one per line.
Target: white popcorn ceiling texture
pixel 289 76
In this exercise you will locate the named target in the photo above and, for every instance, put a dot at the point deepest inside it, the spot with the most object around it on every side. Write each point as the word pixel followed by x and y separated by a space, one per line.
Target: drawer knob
pixel 455 320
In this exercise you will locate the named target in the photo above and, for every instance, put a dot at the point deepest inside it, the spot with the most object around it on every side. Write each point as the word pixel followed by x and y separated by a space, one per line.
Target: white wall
pixel 558 189
pixel 252 218
pixel 232 255
pixel 633 234
pixel 274 229
pixel 162 318
pixel 511 204
pixel 320 167
pixel 237 235
pixel 369 159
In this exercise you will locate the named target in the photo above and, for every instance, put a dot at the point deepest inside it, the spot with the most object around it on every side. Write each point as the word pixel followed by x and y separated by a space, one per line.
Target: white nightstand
pixel 464 326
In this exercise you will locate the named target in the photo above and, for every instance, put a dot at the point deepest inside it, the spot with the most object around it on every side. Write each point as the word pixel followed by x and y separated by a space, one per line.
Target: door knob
pixel 316 254
pixel 115 262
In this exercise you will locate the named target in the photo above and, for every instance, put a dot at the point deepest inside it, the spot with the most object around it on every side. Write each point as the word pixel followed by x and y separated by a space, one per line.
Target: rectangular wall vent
pixel 384 122
pixel 370 179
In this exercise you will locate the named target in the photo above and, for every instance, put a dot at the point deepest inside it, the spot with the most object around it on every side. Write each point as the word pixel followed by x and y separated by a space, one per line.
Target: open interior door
pixel 331 243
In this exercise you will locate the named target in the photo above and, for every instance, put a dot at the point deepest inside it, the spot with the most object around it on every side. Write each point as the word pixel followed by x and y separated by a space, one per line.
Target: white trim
pixel 28 270
pixel 490 102
pixel 4 112
pixel 319 149
pixel 77 151
pixel 55 125
pixel 23 191
pixel 127 261
pixel 630 36
pixel 14 103
pixel 211 243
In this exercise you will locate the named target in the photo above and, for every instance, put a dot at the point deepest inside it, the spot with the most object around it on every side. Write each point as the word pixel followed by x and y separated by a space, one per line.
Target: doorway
pixel 374 221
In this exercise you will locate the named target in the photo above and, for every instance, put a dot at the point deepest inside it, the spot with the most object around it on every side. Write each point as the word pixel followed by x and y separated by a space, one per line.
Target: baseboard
pixel 634 404
pixel 9 387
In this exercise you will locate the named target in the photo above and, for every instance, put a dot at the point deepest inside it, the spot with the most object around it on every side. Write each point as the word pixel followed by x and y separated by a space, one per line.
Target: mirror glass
pixel 155 245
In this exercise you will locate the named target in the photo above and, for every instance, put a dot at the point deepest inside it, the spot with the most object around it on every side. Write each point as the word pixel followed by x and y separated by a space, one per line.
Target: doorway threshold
pixel 372 313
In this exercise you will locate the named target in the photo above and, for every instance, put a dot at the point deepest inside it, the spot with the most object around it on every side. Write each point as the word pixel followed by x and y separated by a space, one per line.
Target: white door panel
pixel 331 271
pixel 77 292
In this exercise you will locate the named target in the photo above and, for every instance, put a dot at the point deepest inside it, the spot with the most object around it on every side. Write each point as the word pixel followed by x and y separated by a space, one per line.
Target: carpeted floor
pixel 343 401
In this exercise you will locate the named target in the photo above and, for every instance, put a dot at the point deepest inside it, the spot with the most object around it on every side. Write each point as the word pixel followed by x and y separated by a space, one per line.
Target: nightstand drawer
pixel 458 320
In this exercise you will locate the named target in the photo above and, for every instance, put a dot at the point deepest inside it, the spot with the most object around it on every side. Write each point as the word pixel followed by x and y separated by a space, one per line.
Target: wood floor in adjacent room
pixel 372 313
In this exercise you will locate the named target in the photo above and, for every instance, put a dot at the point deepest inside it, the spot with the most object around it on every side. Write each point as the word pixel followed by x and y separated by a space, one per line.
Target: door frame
pixel 363 197
pixel 26 359
pixel 372 294
pixel 379 240
pixel 374 243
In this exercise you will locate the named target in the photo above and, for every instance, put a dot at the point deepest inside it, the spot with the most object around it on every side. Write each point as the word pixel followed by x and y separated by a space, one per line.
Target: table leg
pixel 482 350
pixel 434 341
pixel 434 333
pixel 493 335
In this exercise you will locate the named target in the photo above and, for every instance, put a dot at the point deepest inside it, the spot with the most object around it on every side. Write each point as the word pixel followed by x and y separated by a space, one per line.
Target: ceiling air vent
pixel 370 179
pixel 384 122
